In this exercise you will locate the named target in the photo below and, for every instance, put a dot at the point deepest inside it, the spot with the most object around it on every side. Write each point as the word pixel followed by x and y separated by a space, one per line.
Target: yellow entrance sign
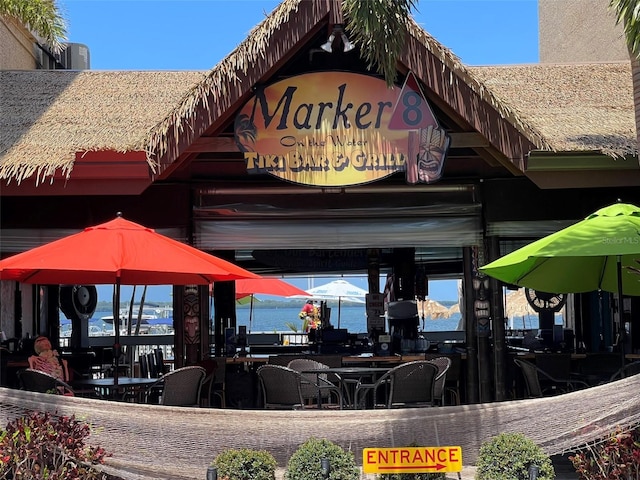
pixel 412 460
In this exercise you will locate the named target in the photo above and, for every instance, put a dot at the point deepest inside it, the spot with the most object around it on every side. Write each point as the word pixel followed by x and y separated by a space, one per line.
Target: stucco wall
pixel 579 31
pixel 16 47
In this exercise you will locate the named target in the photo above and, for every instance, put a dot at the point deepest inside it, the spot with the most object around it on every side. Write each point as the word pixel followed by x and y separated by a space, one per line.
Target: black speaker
pixel 78 301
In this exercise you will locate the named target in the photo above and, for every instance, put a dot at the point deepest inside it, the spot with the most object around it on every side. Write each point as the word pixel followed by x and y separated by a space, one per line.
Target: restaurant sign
pixel 412 460
pixel 339 128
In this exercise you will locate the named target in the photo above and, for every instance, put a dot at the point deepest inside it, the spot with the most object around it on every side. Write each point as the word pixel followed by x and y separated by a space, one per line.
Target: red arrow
pixel 437 466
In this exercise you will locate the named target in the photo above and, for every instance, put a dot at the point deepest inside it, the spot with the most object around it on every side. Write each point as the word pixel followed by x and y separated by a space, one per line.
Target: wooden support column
pixel 224 305
pixel 498 327
pixel 472 388
pixel 481 292
pixel 224 312
pixel 191 324
pixel 373 270
pixel 178 324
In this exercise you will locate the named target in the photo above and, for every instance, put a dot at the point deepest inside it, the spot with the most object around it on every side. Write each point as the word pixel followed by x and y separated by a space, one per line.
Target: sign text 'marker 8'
pixel 340 128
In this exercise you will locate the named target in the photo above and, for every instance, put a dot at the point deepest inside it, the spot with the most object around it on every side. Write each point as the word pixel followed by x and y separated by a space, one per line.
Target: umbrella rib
pixel 538 265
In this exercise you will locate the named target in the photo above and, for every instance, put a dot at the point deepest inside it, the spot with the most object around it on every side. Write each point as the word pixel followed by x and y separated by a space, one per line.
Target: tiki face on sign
pixel 191 315
pixel 433 147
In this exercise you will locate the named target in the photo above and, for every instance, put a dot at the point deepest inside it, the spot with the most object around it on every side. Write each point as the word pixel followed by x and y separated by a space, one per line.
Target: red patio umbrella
pixel 268 286
pixel 119 252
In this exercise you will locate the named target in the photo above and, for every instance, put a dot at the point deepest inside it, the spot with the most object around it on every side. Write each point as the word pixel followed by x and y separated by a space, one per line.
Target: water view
pixel 284 319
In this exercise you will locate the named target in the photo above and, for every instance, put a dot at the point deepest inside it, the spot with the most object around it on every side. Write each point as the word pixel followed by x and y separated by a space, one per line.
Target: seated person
pixel 47 360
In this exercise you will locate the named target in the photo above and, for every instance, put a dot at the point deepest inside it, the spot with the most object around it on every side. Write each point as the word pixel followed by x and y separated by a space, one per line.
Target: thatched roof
pixel 575 107
pixel 48 116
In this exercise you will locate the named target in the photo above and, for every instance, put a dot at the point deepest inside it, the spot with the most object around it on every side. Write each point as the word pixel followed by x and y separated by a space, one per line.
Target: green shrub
pixel 305 463
pixel 245 464
pixel 616 457
pixel 41 445
pixel 507 457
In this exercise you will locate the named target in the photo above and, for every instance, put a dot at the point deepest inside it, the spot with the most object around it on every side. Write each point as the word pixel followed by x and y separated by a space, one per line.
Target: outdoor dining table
pixel 348 378
pixel 125 387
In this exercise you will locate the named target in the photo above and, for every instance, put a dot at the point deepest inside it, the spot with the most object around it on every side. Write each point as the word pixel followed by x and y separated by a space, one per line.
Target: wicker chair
pixel 443 364
pixel 552 386
pixel 213 385
pixel 281 387
pixel 452 382
pixel 179 387
pixel 408 385
pixel 37 381
pixel 316 387
pixel 628 370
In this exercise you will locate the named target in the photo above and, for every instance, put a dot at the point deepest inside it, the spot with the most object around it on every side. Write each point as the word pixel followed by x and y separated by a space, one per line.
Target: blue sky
pixel 197 34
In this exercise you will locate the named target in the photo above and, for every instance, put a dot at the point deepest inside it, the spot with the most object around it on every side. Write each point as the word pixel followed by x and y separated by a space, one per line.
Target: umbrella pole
pixel 339 302
pixel 621 331
pixel 250 313
pixel 116 327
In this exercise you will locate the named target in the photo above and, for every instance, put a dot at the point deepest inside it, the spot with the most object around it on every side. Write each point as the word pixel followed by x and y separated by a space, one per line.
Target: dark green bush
pixel 305 463
pixel 41 445
pixel 245 464
pixel 617 457
pixel 507 457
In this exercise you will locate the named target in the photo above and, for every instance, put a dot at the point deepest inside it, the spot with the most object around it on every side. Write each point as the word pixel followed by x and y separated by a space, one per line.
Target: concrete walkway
pixel 468 473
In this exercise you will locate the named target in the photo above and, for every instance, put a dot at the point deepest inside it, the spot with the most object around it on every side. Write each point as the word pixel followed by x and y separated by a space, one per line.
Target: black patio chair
pixel 628 370
pixel 539 383
pixel 317 386
pixel 178 388
pixel 281 387
pixel 443 364
pixel 410 384
pixel 37 381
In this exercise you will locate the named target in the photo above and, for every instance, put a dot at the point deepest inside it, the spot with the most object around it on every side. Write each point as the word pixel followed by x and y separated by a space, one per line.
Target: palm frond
pixel 379 28
pixel 41 16
pixel 628 14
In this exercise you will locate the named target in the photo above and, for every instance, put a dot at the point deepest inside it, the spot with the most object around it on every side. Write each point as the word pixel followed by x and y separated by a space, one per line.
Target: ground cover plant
pixel 40 446
pixel 614 458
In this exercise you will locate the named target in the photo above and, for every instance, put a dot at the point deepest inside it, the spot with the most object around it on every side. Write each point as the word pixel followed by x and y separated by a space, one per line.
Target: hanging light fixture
pixel 347 45
pixel 328 46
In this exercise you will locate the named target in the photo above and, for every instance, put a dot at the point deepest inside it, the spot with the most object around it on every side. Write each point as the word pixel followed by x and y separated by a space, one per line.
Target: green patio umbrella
pixel 600 252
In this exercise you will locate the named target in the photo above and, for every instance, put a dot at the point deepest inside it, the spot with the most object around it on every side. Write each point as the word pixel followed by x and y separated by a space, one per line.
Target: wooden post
pixel 472 386
pixel 498 327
